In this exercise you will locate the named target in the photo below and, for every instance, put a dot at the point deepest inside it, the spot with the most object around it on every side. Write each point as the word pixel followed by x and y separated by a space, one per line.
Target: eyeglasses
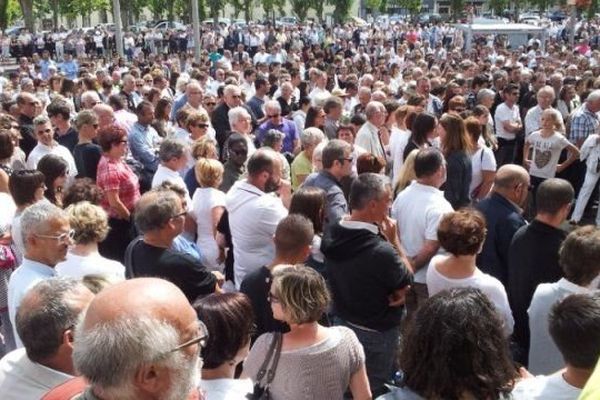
pixel 64 237
pixel 148 81
pixel 200 125
pixel 201 339
pixel 181 214
pixel 211 104
pixel 349 159
pixel 271 298
pixel 44 131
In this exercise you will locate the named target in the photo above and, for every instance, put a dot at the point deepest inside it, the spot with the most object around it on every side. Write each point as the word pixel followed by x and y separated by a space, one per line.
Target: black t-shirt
pixel 69 139
pixel 87 156
pixel 256 286
pixel 183 270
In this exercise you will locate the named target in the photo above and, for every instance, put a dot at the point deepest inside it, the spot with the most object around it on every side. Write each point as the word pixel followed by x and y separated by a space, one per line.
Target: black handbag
pixel 261 392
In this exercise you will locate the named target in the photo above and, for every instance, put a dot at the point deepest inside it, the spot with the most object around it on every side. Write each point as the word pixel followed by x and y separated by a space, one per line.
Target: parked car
pixel 287 21
pixel 173 25
pixel 557 15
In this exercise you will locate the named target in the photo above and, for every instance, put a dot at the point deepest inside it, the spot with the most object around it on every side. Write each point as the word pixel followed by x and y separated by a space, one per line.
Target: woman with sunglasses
pixel 315 362
pixel 229 320
pixel 87 153
pixel 121 191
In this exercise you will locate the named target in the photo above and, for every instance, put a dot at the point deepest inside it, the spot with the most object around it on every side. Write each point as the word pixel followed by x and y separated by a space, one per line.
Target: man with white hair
pixel 241 122
pixel 584 120
pixel 232 96
pixel 46 234
pixel 434 104
pixel 320 90
pixel 138 347
pixel 533 119
pixel 128 91
pixel 194 94
pixel 274 120
pixel 89 99
pixel 47 145
pixel 373 136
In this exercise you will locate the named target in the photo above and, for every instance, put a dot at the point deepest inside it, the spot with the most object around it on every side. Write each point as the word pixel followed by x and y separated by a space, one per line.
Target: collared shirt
pixel 533 120
pixel 166 174
pixel 368 138
pixel 40 150
pixel 256 106
pixel 253 218
pixel 287 127
pixel 583 123
pixel 22 279
pixel 143 141
pixel 335 202
pixel 21 378
pixel 70 69
pixel 117 176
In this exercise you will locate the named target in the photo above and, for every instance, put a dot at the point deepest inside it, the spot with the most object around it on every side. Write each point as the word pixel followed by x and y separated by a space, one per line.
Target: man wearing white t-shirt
pixel 418 210
pixel 47 145
pixel 575 329
pixel 508 125
pixel 533 118
pixel 254 212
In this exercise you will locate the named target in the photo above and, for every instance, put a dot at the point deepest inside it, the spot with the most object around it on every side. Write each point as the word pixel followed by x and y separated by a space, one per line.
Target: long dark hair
pixel 309 202
pixel 423 124
pixel 52 166
pixel 455 345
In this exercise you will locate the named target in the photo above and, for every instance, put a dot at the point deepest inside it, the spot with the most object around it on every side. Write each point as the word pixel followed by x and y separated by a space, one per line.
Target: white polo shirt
pixel 40 150
pixel 166 174
pixel 253 218
pixel 418 210
pixel 504 113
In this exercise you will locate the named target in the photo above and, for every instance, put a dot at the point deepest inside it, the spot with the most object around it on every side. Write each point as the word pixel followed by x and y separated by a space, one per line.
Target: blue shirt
pixel 183 245
pixel 288 127
pixel 142 141
pixel 177 105
pixel 70 68
pixel 335 202
pixel 583 123
pixel 44 66
pixel 22 279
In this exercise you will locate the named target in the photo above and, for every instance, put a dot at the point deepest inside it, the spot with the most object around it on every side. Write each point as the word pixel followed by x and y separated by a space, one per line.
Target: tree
pixel 342 9
pixel 457 7
pixel 158 8
pixel 498 6
pixel 317 5
pixel 27 10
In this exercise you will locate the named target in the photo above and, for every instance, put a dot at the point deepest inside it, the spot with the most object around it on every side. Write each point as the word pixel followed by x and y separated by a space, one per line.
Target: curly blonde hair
pixel 90 222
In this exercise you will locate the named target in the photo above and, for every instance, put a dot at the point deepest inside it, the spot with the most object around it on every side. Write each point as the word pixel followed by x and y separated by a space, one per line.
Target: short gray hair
pixel 594 96
pixel 483 93
pixel 372 108
pixel 272 105
pixel 90 96
pixel 45 313
pixel 109 354
pixel 36 216
pixel 237 113
pixel 41 120
pixel 272 136
pixel 311 136
pixel 368 186
pixel 170 149
pixel 155 209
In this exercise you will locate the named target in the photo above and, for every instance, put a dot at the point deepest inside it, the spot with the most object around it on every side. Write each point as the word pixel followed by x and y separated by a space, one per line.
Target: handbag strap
pixel 263 368
pixel 271 373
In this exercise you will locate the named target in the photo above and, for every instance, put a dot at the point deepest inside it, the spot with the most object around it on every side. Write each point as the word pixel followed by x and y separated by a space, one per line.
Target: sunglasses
pixel 211 104
pixel 200 125
pixel 44 131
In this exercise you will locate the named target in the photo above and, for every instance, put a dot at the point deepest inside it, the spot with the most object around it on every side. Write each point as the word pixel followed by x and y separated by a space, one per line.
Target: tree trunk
pixel 3 14
pixel 170 7
pixel 104 16
pixel 27 9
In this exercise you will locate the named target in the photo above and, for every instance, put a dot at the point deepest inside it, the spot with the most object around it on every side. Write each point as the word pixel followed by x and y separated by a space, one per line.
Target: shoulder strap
pixel 271 373
pixel 129 269
pixel 263 368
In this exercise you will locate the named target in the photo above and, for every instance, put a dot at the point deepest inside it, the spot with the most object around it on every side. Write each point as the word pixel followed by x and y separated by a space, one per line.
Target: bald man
pixel 503 212
pixel 140 339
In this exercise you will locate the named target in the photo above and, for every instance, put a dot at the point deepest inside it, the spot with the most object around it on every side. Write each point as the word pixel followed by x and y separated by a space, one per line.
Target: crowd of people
pixel 306 213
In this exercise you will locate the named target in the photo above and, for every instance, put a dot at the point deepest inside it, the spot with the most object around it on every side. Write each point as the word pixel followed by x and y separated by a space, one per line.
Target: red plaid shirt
pixel 116 175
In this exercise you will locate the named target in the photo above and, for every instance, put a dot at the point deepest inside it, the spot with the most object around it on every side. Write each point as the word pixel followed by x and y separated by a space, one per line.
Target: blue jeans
pixel 380 353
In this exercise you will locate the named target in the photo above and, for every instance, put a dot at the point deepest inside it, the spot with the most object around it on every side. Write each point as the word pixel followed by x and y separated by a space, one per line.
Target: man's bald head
pixel 510 175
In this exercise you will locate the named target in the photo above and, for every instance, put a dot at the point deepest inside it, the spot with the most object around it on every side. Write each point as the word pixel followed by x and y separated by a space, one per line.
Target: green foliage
pixel 413 6
pixel 301 7
pixel 158 8
pixel 498 6
pixel 456 8
pixel 342 9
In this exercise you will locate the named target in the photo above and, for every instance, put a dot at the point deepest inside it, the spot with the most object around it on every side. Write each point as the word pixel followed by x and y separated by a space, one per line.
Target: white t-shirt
pixel 482 160
pixel 503 113
pixel 203 202
pixel 490 286
pixel 542 387
pixel 166 174
pixel 418 210
pixel 398 141
pixel 77 267
pixel 546 152
pixel 226 389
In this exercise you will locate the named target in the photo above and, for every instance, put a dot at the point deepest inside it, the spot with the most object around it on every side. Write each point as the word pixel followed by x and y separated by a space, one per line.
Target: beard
pixel 185 377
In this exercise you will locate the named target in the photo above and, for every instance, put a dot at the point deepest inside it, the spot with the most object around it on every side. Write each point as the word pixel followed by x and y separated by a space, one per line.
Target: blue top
pixel 70 68
pixel 142 140
pixel 288 127
pixel 183 245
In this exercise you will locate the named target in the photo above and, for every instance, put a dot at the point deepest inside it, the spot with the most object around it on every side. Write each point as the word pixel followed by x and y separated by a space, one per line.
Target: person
pixel 423 130
pixel 254 212
pixel 160 216
pixel 46 233
pixel 302 165
pixel 121 191
pixel 333 108
pixel 533 255
pixel 229 322
pixel 418 210
pixel 483 162
pixel 27 104
pixel 143 138
pixel 59 114
pixel 87 153
pixel 235 166
pixel 90 225
pixel 220 120
pixel 139 347
pixel 337 164
pixel 546 146
pixel 373 136
pixel 240 121
pixel 457 147
pixel 577 258
pixel 369 300
pixel 207 207
pixel 545 97
pixel 502 211
pixel 273 139
pixel 47 145
pixel 291 142
pixel 454 349
pixel 299 297
pixel 173 158
pixel 55 170
pixel 461 235
pixel 574 325
pixel 590 153
pixel 584 120
pixel 293 238
pixel 45 322
pixel 507 121
pixel 310 202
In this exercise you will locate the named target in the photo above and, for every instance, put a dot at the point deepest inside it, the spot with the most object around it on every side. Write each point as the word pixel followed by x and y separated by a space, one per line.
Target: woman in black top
pixel 86 153
pixel 423 130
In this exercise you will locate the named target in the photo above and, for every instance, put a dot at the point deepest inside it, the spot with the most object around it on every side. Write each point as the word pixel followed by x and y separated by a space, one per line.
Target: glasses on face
pixel 210 104
pixel 236 96
pixel 63 237
pixel 47 130
pixel 271 298
pixel 201 339
pixel 181 214
pixel 204 126
pixel 148 81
